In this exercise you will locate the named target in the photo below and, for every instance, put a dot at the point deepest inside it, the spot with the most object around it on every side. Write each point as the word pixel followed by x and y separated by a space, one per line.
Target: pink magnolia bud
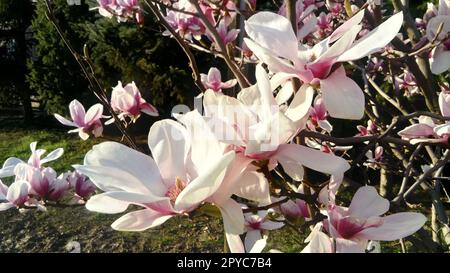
pixel 13 196
pixel 128 102
pixel 82 185
pixel 58 188
pixel 214 82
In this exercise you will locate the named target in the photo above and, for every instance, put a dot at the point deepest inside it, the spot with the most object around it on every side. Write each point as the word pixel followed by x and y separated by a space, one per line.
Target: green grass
pixel 50 231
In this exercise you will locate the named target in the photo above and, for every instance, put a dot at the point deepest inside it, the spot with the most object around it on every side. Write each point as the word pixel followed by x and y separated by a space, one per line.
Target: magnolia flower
pixel 272 40
pixel 13 196
pixel 214 82
pixel 318 115
pixel 122 9
pixel 86 122
pixel 186 25
pixel 40 180
pixel 374 157
pixel 306 20
pixel 440 55
pixel 295 208
pixel 255 224
pixel 226 36
pixel 352 227
pixel 186 170
pixel 407 83
pixel 426 130
pixel 58 188
pixel 371 129
pixel 257 128
pixel 82 185
pixel 34 160
pixel 129 103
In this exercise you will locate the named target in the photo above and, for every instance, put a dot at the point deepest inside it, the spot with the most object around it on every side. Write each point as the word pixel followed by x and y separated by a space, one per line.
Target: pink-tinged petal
pixel 82 134
pixel 319 242
pixel 433 26
pixel 3 190
pixel 341 45
pixel 55 154
pixel 140 220
pixel 235 243
pixel 259 245
pixel 349 246
pixel 394 227
pixel 18 192
pixel 169 144
pixel 367 203
pixel 214 75
pixel 103 203
pixel 77 112
pixel 293 168
pixel 299 107
pixel 65 121
pixel 274 63
pixel 8 166
pixel 6 206
pixel 232 216
pixel 309 26
pixel 149 109
pixel 205 147
pixel 374 40
pixel 251 238
pixel 442 130
pixel 343 98
pixel 206 184
pixel 268 103
pixel 313 159
pixel 253 186
pixel 229 84
pixel 235 177
pixel 138 170
pixel 93 114
pixel 440 60
pixel 416 131
pixel 273 32
pixel 444 103
pixel 341 30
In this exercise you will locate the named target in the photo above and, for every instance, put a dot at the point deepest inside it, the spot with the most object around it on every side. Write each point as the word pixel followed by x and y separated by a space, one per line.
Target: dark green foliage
pixel 54 74
pixel 124 52
pixel 128 52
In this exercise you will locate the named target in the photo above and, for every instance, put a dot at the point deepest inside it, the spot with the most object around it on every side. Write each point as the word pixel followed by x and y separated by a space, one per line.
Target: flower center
pixel 176 189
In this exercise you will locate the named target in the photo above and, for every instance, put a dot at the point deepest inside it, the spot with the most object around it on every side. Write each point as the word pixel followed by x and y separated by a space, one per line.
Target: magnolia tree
pixel 335 121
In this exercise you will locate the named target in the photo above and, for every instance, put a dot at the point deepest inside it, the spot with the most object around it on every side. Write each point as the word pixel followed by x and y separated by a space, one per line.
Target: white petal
pixel 343 98
pixel 140 220
pixel 374 40
pixel 367 203
pixel 126 160
pixel 55 154
pixel 8 166
pixel 169 144
pixel 233 217
pixel 205 185
pixel 313 159
pixel 64 121
pixel 234 243
pixel 394 227
pixel 273 32
pixel 301 103
pixel 251 238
